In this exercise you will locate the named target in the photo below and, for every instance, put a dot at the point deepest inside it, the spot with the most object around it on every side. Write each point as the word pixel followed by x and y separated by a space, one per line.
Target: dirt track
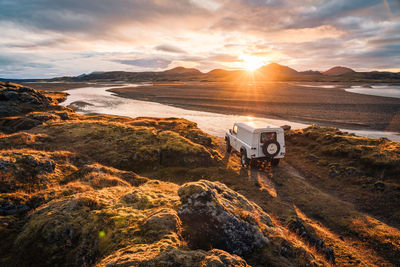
pixel 290 193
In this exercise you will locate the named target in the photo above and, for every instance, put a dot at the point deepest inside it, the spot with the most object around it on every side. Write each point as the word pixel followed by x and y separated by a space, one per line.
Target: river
pixel 102 101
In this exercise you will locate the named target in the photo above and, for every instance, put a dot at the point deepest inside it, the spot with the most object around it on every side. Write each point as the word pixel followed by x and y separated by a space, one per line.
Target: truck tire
pixel 274 162
pixel 243 158
pixel 271 148
pixel 228 145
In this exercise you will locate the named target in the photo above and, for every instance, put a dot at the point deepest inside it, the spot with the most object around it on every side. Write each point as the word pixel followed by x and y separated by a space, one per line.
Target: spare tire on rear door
pixel 271 148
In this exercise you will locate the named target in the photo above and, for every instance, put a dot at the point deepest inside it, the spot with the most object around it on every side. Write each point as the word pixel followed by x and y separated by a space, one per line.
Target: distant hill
pixel 183 71
pixel 311 72
pixel 218 72
pixel 276 69
pixel 338 70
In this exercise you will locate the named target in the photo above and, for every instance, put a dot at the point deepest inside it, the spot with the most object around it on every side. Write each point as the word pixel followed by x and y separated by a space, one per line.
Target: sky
pixel 50 38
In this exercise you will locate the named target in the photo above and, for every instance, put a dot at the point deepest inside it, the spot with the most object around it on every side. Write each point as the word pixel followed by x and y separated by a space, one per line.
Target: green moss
pixel 369 154
pixel 127 147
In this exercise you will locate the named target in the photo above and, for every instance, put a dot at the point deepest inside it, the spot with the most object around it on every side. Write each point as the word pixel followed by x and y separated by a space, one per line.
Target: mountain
pixel 311 72
pixel 276 69
pixel 218 72
pixel 338 70
pixel 183 71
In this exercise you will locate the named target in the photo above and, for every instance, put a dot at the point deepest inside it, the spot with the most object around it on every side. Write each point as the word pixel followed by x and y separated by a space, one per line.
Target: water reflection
pixel 379 90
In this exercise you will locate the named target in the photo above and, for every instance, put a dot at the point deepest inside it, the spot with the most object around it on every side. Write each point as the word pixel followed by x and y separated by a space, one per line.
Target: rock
pixel 220 258
pixel 79 105
pixel 286 250
pixel 160 254
pixel 6 165
pixel 42 116
pixel 63 115
pixel 215 216
pixel 11 208
pixel 352 171
pixel 16 124
pixel 18 100
pixel 380 186
pixel 334 173
pixel 313 158
pixel 323 162
pixel 11 95
pixel 42 165
pixel 164 221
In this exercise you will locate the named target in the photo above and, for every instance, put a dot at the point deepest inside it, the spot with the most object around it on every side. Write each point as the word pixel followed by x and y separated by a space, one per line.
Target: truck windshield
pixel 267 137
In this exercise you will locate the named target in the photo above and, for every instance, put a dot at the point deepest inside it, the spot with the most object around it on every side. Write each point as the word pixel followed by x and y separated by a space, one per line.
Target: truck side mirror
pixel 230 131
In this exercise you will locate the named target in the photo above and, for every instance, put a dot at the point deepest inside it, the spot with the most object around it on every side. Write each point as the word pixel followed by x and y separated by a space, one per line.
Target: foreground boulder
pixel 163 254
pixel 215 216
pixel 16 102
pixel 16 99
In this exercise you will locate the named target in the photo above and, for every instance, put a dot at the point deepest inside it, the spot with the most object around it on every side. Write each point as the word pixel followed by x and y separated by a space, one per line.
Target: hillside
pixel 277 70
pixel 182 71
pixel 115 191
pixel 336 71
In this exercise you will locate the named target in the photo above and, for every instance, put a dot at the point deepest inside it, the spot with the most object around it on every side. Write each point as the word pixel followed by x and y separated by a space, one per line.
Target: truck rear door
pixel 234 137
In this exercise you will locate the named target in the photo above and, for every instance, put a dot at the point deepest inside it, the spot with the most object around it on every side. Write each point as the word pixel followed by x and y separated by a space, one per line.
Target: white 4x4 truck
pixel 255 144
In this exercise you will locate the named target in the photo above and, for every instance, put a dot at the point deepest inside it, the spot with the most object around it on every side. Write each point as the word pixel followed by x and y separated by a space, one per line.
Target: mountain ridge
pixel 272 71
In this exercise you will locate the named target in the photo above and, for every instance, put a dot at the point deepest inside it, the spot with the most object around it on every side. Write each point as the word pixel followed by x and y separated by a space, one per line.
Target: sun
pixel 251 63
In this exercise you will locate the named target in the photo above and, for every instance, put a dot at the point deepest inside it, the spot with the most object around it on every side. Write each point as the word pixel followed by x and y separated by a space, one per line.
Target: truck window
pixel 264 137
pixel 235 129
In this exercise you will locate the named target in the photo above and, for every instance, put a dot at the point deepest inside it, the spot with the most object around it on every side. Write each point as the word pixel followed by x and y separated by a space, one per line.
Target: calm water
pixel 379 90
pixel 216 124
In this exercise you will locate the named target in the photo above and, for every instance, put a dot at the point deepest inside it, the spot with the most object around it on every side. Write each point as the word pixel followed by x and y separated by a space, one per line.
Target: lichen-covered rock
pixel 164 254
pixel 11 208
pixel 16 99
pixel 215 216
pixel 163 221
pixel 43 116
pixel 63 232
pixel 32 170
pixel 16 103
pixel 99 176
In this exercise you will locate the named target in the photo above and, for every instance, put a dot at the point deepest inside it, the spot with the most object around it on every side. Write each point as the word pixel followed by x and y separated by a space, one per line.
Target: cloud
pixel 157 63
pixel 76 36
pixel 304 35
pixel 223 58
pixel 170 49
pixel 93 17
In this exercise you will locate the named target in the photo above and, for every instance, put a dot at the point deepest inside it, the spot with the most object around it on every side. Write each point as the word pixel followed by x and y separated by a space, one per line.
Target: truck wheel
pixel 228 146
pixel 243 158
pixel 271 148
pixel 274 162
